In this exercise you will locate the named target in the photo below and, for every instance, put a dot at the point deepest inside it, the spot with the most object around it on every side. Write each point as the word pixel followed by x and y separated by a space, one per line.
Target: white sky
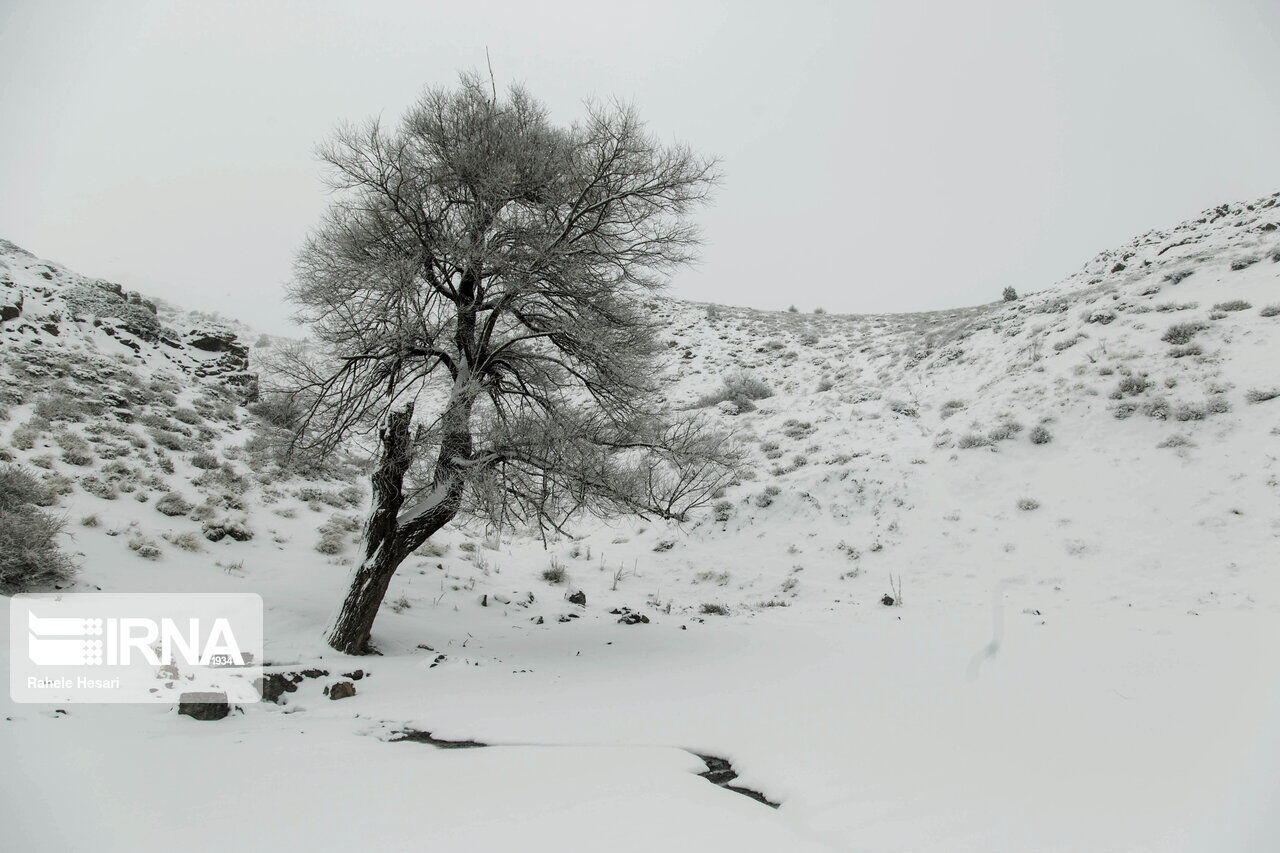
pixel 879 156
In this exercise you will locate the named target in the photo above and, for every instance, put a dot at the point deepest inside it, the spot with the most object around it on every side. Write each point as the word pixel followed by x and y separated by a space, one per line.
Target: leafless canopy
pixel 495 269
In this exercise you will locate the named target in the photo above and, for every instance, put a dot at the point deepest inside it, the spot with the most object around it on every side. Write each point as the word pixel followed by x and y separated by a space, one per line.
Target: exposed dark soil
pixel 719 771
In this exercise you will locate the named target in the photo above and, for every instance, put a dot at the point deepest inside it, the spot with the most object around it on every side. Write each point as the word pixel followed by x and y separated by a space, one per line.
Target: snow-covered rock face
pixel 41 301
pixel 1071 499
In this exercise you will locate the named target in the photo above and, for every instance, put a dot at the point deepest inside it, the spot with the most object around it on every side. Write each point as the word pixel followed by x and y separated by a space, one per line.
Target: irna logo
pixel 134 647
pixel 123 641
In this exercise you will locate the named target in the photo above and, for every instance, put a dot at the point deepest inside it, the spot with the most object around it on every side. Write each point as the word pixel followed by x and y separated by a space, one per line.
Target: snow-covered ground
pixel 1082 658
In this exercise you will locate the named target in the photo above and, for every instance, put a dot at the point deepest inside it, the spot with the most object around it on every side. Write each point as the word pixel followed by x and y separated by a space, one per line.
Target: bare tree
pixel 489 267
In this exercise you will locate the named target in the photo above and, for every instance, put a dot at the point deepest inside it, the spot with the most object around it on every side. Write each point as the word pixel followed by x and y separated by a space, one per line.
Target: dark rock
pixel 11 311
pixel 1119 267
pixel 51 328
pixel 204 706
pixel 273 686
pixel 314 673
pixel 354 676
pixel 632 618
pixel 579 598
pixel 888 600
pixel 340 690
pixel 210 341
pixel 720 772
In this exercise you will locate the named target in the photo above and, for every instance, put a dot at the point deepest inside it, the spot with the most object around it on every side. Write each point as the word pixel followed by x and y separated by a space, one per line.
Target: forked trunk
pixel 392 535
pixel 351 630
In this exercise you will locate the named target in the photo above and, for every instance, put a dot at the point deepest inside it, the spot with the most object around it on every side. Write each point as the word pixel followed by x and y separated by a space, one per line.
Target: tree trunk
pixel 351 630
pixel 390 536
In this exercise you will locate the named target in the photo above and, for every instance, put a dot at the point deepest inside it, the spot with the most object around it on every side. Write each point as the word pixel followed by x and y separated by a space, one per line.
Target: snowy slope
pixel 1077 663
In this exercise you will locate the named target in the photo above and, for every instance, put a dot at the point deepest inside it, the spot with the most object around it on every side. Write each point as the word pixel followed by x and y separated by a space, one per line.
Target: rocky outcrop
pixel 101 299
pixel 232 365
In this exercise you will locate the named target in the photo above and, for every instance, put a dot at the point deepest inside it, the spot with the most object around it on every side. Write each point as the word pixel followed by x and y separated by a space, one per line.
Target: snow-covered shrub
pixel 163 462
pixel 91 520
pixel 713 609
pixel 187 541
pixel 237 529
pixel 188 416
pixel 1184 351
pixel 278 410
pixel 144 546
pixel 19 488
pixel 1040 435
pixel 1028 504
pixel 331 542
pixel 56 406
pixel 78 456
pixel 29 554
pixel 1004 431
pixel 555 573
pixel 1182 333
pixel 172 504
pixel 740 388
pixel 766 497
pixel 1260 395
pixel 723 510
pixel 1130 386
pixel 167 439
pixel 204 460
pixel 971 440
pixel 224 477
pixel 335 532
pixel 1009 295
pixel 796 429
pixel 98 487
pixel 901 407
pixel 1233 305
pixel 1158 408
pixel 1272 310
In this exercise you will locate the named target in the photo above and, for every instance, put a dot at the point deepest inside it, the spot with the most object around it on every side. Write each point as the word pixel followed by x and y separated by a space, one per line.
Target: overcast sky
pixel 879 156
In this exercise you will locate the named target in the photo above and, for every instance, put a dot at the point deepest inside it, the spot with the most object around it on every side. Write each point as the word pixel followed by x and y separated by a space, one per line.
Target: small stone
pixel 579 598
pixel 887 601
pixel 204 706
pixel 271 687
pixel 340 690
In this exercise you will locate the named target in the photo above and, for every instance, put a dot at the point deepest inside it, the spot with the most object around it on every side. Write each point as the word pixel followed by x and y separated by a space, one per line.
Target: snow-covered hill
pixel 1072 500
